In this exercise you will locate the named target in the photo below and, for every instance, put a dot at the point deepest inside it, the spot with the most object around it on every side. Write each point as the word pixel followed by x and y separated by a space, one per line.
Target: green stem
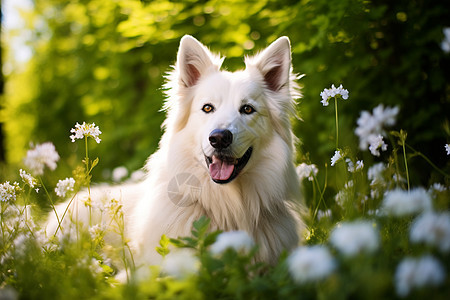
pixel 406 163
pixel 25 212
pixel 322 192
pixel 428 161
pixel 86 161
pixel 394 153
pixel 337 122
pixel 64 214
pixel 314 192
pixel 88 171
pixel 1 224
pixel 50 199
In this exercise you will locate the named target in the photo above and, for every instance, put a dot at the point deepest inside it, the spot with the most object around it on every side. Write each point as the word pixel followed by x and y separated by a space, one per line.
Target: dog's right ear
pixel 194 60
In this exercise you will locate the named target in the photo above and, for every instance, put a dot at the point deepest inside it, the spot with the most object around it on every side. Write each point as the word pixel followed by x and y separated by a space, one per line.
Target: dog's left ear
pixel 274 63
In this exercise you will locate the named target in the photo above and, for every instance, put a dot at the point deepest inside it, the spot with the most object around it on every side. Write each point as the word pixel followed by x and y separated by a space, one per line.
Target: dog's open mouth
pixel 224 169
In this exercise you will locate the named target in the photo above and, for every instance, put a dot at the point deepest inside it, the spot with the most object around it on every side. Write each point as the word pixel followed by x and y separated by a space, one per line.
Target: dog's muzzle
pixel 223 167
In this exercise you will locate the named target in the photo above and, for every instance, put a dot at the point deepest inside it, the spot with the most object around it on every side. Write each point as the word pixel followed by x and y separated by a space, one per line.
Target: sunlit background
pixel 104 62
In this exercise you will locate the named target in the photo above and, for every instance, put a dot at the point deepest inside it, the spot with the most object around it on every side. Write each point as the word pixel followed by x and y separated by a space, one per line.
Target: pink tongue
pixel 220 170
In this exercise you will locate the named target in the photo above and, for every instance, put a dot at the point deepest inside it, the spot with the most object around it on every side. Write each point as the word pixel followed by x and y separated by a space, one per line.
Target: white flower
pixel 95 266
pixel 356 237
pixel 240 241
pixel 97 231
pixel 375 142
pixel 85 130
pixel 336 157
pixel 385 117
pixel 42 155
pixel 359 165
pixel 438 187
pixel 445 44
pixel 180 264
pixel 375 173
pixel 63 186
pixel 400 203
pixel 432 229
pixel 306 171
pixel 341 197
pixel 447 148
pixel 28 179
pixel 119 173
pixel 370 125
pixel 351 167
pixel 326 94
pixel 345 194
pixel 8 191
pixel 414 273
pixel 324 214
pixel 308 264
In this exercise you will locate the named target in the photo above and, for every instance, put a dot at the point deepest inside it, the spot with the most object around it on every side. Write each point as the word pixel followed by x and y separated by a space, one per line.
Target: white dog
pixel 227 154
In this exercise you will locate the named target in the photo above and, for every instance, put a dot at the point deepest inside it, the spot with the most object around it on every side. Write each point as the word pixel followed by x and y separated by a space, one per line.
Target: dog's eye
pixel 247 109
pixel 208 108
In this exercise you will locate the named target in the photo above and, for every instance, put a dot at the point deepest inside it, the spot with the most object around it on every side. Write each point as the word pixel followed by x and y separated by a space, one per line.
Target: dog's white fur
pixel 262 200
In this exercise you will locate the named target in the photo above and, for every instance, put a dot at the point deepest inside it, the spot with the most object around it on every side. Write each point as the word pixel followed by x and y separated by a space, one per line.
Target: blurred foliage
pixel 104 61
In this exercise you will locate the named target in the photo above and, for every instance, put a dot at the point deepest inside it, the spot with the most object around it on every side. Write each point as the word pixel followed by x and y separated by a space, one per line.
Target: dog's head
pixel 230 117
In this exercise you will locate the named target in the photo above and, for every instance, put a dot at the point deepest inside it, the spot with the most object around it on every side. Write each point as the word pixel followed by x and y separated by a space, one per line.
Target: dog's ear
pixel 274 63
pixel 193 61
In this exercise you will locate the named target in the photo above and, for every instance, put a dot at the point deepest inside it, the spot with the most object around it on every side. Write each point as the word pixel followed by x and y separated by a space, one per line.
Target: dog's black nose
pixel 220 138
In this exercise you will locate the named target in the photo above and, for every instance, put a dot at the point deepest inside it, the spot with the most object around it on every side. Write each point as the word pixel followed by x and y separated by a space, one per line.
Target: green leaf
pixel 94 163
pixel 200 227
pixel 190 242
pixel 177 243
pixel 211 238
pixel 184 242
pixel 164 242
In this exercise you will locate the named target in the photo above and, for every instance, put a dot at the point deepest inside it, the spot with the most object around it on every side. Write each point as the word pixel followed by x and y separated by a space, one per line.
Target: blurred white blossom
pixel 180 264
pixel 376 142
pixel 64 186
pixel 445 44
pixel 447 148
pixel 355 237
pixel 324 214
pixel 119 173
pixel 326 94
pixel 307 264
pixel 351 166
pixel 306 171
pixel 40 156
pixel 85 130
pixel 239 240
pixel 438 187
pixel 399 202
pixel 432 229
pixel 97 231
pixel 372 125
pixel 345 194
pixel 415 273
pixel 375 173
